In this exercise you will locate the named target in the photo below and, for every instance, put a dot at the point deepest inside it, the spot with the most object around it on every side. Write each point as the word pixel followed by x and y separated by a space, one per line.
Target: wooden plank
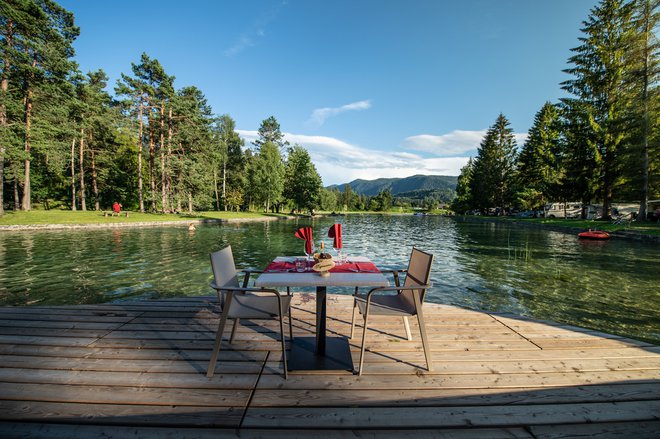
pixel 445 397
pixel 132 354
pixel 167 380
pixel 113 414
pixel 443 417
pixel 158 365
pixel 59 431
pixel 622 430
pixel 63 324
pixel 346 381
pixel 199 397
pixel 46 341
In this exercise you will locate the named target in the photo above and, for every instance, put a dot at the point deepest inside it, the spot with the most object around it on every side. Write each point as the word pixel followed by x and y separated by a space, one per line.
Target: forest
pixel 66 142
pixel 597 145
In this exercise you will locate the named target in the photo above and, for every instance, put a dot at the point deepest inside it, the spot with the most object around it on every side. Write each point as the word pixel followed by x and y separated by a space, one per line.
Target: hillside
pixel 402 186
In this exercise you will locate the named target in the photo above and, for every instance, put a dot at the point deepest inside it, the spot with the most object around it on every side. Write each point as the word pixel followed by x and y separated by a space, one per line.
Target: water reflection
pixel 609 286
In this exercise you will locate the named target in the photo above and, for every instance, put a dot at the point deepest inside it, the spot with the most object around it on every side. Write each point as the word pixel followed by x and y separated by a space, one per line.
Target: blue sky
pixel 372 88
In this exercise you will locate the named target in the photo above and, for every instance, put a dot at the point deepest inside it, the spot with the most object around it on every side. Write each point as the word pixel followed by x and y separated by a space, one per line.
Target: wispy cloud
pixel 320 115
pixel 339 162
pixel 256 31
pixel 458 142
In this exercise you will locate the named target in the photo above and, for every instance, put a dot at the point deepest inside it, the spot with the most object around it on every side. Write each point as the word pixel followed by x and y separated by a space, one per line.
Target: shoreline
pixel 627 234
pixel 174 223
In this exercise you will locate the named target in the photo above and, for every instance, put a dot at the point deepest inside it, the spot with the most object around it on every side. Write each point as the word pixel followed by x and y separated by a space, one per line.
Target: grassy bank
pixel 42 217
pixel 645 228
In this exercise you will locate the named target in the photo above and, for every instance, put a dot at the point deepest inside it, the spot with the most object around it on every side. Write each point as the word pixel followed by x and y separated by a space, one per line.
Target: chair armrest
pixel 250 271
pixel 244 289
pixel 408 287
pixel 395 273
pixel 247 272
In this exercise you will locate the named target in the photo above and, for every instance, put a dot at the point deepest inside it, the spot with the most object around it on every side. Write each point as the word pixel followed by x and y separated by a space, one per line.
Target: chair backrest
pixel 419 273
pixel 224 269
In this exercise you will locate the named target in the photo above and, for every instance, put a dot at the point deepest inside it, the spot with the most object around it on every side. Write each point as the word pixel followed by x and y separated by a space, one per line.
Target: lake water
pixel 612 286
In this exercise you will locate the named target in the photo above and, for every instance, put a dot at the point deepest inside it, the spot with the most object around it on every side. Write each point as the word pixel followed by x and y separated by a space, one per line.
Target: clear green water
pixel 612 286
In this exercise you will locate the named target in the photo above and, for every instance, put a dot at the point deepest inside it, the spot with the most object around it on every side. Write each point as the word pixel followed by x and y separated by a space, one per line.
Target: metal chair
pixel 407 301
pixel 242 302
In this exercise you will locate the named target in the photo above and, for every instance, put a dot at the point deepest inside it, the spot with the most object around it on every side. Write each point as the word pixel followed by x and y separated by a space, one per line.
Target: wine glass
pixel 340 255
pixel 310 255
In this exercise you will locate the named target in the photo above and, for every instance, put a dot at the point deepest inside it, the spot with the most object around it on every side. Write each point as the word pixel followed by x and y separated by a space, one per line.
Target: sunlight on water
pixel 610 286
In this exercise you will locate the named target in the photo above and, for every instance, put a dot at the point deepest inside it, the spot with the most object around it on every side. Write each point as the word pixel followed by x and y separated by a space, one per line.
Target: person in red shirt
pixel 116 208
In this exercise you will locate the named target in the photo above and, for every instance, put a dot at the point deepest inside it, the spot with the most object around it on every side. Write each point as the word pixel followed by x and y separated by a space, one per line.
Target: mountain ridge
pixel 414 183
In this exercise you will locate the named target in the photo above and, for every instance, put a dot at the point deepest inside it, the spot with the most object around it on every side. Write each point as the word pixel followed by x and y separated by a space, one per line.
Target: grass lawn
pixel 93 217
pixel 647 227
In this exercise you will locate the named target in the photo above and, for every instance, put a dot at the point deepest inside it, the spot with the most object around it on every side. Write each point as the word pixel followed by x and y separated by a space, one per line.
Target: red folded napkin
pixel 282 266
pixel 306 234
pixel 355 267
pixel 335 233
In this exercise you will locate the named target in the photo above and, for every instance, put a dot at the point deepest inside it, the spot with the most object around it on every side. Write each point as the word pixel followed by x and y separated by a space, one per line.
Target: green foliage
pixel 539 169
pixel 302 183
pixel 493 173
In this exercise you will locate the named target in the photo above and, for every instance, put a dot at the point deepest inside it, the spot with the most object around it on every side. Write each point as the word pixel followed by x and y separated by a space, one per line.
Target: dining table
pixel 321 352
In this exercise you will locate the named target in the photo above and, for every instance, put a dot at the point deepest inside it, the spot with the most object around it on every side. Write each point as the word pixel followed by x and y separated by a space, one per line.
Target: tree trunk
pixel 4 86
pixel 152 162
pixel 17 199
pixel 190 206
pixel 95 187
pixel 83 204
pixel 215 188
pixel 168 178
pixel 163 184
pixel 26 204
pixel 646 72
pixel 73 174
pixel 140 131
pixel 224 183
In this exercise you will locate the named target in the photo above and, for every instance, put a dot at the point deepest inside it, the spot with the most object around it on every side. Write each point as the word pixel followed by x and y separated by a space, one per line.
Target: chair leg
pixel 286 370
pixel 233 330
pixel 425 341
pixel 364 339
pixel 290 327
pixel 218 336
pixel 406 325
pixel 355 311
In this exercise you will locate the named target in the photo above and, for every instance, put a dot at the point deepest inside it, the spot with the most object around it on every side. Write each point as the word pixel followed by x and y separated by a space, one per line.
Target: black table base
pixel 337 355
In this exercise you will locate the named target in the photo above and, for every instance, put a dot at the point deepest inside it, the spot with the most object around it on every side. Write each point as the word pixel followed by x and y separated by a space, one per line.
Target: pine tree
pixel 538 162
pixel 36 51
pixel 643 77
pixel 599 71
pixel 463 201
pixel 494 166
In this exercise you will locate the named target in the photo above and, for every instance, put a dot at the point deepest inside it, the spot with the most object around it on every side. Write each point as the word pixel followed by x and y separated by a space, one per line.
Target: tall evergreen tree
pixel 494 166
pixel 37 47
pixel 599 66
pixel 643 77
pixel 538 162
pixel 579 156
pixel 463 201
pixel 269 131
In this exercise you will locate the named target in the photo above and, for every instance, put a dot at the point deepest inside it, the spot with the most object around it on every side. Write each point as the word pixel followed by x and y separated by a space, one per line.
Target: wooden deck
pixel 138 370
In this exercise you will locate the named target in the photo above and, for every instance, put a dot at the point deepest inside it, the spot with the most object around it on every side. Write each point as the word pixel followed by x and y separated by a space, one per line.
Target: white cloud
pixel 458 142
pixel 340 162
pixel 320 115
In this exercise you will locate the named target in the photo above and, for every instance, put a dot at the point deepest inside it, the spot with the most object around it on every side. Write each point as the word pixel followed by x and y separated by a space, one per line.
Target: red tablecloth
pixel 347 267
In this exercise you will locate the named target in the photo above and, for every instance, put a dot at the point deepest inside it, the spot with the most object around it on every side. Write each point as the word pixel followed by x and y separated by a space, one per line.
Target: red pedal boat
pixel 594 234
